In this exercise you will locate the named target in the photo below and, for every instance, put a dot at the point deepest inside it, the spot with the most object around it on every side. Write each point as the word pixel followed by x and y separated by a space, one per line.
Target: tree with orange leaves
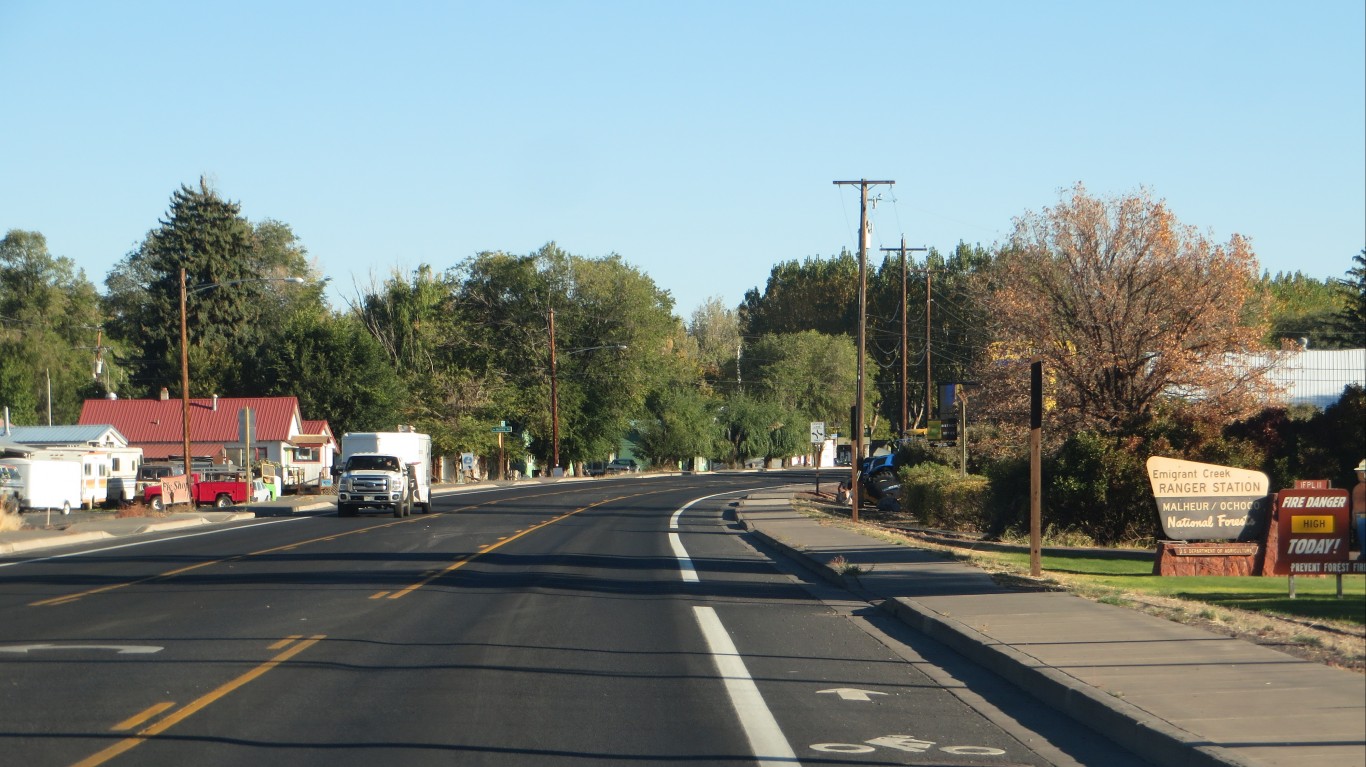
pixel 1127 307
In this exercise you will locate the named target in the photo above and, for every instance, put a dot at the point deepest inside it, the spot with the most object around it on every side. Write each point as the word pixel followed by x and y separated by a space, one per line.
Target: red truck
pixel 219 492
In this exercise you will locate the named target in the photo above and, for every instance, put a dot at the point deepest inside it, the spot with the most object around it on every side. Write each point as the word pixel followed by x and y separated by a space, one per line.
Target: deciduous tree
pixel 49 323
pixel 1125 306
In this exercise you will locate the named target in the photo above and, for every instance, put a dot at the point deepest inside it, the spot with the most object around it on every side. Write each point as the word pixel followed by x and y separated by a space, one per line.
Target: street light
pixel 555 390
pixel 185 355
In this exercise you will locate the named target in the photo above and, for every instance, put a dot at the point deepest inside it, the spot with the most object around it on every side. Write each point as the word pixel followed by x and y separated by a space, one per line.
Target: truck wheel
pixel 426 507
pixel 223 501
pixel 66 507
pixel 158 504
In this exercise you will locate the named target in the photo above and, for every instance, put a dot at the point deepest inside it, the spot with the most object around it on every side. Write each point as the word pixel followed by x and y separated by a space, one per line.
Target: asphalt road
pixel 568 624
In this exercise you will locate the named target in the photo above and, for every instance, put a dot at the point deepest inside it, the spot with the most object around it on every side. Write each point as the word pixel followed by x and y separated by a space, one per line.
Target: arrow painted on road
pixel 850 693
pixel 121 649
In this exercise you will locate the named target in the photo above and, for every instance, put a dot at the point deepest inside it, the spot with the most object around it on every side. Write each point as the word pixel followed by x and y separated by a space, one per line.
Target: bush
pixel 1098 485
pixel 1007 496
pixel 941 498
pixel 918 451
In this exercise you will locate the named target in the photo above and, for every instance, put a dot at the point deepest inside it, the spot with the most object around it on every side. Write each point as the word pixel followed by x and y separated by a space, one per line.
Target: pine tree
pixel 207 237
pixel 1351 319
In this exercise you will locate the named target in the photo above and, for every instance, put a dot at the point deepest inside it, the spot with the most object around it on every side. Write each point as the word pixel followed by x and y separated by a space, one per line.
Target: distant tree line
pixel 1133 313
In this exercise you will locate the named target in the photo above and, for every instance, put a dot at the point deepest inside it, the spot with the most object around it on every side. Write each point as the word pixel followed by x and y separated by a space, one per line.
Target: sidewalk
pixel 1173 694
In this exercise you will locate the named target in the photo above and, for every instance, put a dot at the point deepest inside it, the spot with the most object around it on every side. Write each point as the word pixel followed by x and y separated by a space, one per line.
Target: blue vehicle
pixel 878 475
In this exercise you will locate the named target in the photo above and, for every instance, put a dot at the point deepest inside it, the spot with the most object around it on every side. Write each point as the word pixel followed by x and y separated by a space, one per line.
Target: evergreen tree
pixel 207 237
pixel 1351 318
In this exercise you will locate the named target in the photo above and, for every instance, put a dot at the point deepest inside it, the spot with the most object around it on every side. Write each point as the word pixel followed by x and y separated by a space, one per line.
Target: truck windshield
pixel 372 462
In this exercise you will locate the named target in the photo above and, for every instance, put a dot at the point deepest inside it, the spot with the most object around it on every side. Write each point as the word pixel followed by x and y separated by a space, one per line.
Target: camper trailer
pixel 47 483
pixel 97 470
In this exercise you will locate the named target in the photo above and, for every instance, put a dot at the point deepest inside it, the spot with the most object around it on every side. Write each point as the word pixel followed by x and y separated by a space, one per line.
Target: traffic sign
pixel 817 432
pixel 502 428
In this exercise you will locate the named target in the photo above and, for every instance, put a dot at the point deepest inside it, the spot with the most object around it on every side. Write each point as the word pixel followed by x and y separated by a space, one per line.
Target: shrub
pixel 1007 498
pixel 1098 485
pixel 918 451
pixel 943 499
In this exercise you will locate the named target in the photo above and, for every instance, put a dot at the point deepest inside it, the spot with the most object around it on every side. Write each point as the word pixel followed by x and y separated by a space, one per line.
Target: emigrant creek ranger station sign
pixel 1203 502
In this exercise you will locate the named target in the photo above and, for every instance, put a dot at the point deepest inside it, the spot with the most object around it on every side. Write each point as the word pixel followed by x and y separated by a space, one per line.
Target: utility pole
pixel 185 383
pixel 554 401
pixel 905 383
pixel 856 447
pixel 929 390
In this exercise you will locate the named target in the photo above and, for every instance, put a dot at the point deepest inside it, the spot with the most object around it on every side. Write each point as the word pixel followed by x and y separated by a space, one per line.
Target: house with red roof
pixel 304 449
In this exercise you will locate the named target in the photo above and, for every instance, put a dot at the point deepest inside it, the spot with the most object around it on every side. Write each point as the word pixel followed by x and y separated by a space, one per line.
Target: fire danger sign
pixel 1312 531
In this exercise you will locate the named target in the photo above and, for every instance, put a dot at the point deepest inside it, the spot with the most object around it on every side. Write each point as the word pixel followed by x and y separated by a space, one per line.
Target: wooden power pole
pixel 856 445
pixel 905 399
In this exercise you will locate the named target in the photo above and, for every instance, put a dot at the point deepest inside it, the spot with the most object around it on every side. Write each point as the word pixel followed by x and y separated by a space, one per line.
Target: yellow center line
pixel 283 643
pixel 199 704
pixel 459 563
pixel 69 598
pixel 138 719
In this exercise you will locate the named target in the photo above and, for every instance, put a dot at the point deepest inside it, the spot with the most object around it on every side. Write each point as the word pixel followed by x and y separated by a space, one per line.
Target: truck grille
pixel 369 485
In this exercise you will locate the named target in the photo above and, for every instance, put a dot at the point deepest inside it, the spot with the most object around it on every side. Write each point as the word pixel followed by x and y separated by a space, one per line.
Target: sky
pixel 697 140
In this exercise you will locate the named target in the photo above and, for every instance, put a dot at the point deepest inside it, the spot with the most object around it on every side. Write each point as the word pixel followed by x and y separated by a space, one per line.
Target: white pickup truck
pixel 387 470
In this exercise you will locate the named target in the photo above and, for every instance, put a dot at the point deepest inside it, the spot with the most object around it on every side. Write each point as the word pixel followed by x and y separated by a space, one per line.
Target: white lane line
pixel 766 739
pixel 153 540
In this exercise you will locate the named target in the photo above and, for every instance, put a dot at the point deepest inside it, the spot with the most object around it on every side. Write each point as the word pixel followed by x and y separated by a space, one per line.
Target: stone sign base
pixel 1175 558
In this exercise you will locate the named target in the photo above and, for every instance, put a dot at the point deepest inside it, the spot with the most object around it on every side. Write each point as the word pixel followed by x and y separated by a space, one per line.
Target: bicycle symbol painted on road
pixel 908 743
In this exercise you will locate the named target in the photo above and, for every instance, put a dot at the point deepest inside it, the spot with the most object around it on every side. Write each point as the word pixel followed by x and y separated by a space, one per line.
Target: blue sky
pixel 698 140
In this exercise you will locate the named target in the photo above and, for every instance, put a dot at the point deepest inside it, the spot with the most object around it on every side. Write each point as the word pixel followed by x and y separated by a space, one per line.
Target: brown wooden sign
pixel 1207 502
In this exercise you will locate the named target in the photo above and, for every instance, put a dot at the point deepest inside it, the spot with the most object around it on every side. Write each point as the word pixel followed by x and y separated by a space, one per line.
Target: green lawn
pixel 1316 598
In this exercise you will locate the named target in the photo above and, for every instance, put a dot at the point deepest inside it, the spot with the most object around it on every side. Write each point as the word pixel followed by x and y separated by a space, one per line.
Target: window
pixel 306 454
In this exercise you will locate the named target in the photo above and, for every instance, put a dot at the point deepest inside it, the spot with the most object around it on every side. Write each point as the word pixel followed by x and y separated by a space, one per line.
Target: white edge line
pixel 766 739
pixel 685 565
pixel 144 543
pixel 686 569
pixel 673 520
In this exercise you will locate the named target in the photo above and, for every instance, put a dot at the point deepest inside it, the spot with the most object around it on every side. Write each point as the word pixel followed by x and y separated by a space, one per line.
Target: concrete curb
pixel 17 547
pixel 1133 728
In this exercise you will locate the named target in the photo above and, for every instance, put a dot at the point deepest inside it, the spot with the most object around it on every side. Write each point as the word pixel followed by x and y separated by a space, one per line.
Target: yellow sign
pixel 1302 523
